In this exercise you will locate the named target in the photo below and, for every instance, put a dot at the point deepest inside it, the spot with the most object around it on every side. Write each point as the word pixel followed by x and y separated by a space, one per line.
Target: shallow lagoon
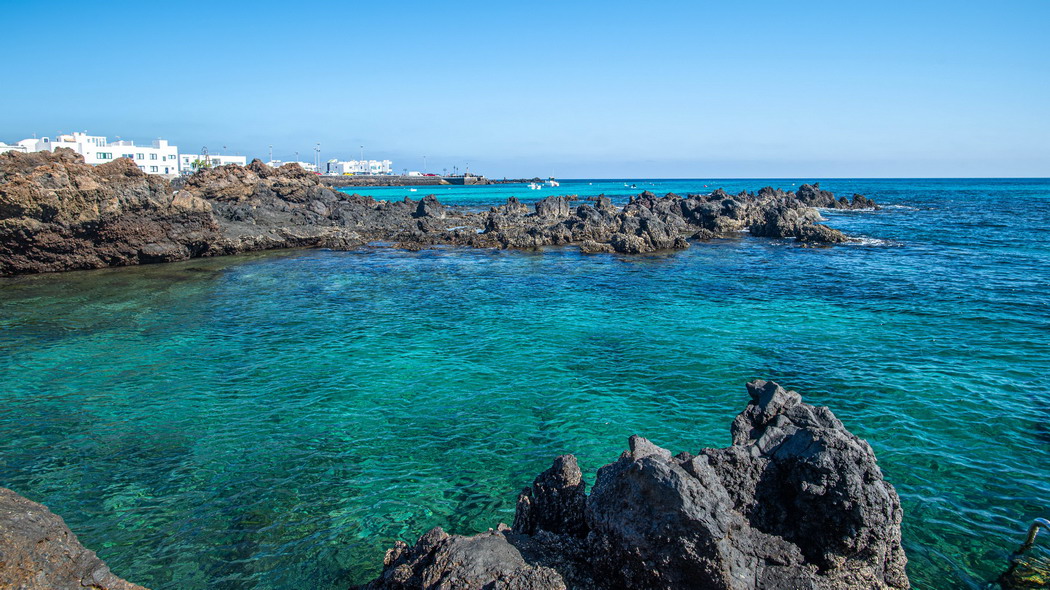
pixel 278 420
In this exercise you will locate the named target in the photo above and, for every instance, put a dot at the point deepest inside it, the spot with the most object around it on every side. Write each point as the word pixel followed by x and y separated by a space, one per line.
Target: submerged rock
pixel 39 552
pixel 57 213
pixel 796 502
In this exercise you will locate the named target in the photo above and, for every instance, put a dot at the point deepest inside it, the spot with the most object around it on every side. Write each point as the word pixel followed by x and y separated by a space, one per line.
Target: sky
pixel 609 89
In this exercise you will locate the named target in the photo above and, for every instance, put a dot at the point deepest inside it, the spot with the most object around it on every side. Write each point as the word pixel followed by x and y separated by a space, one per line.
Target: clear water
pixel 277 421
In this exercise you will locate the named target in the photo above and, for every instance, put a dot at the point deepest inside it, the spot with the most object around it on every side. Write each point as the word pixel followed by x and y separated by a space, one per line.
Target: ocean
pixel 278 420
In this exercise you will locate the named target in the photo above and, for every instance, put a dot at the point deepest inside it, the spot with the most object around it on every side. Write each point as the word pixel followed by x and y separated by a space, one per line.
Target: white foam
pixel 839 210
pixel 866 241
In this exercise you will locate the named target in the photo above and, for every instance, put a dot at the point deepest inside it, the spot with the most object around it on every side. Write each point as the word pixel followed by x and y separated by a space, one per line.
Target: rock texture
pixel 57 213
pixel 797 502
pixel 39 552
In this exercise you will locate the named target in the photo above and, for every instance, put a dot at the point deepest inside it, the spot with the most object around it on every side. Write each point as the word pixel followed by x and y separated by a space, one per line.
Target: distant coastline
pixel 415 180
pixel 61 214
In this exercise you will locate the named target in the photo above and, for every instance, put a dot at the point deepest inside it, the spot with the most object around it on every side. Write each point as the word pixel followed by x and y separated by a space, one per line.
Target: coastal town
pixel 163 158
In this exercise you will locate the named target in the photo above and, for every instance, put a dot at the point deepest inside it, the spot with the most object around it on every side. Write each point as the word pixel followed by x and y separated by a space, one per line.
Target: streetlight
pixel 424 165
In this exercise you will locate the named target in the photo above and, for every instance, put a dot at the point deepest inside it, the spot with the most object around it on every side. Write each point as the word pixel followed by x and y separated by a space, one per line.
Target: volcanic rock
pixel 39 552
pixel 57 213
pixel 796 502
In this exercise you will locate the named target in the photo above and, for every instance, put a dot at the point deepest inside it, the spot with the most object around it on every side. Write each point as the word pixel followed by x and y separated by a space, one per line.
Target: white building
pixel 375 167
pixel 186 161
pixel 160 158
pixel 305 165
pixel 12 148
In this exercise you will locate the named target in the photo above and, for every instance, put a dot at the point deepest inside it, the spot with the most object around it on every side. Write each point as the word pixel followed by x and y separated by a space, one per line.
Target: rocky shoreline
pixel 58 213
pixel 39 552
pixel 796 502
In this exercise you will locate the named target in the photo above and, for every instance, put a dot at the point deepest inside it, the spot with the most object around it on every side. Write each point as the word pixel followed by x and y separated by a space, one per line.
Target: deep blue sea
pixel 278 420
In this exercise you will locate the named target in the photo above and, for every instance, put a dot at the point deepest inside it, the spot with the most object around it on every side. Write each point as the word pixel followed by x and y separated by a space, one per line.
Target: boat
pixel 553 182
pixel 412 190
pixel 534 186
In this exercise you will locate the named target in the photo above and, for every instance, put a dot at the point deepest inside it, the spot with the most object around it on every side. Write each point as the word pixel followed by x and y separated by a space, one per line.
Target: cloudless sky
pixel 574 89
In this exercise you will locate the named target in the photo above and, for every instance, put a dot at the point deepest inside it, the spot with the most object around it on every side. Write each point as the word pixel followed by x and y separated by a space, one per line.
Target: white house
pixel 305 165
pixel 186 161
pixel 160 158
pixel 12 148
pixel 337 168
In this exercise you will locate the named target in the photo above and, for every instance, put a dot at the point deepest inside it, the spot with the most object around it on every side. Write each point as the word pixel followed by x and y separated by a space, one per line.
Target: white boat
pixel 553 182
pixel 534 186
pixel 411 190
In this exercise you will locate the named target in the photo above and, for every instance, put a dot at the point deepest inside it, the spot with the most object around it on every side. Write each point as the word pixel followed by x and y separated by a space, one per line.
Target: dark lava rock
pixel 555 502
pixel 485 561
pixel 814 196
pixel 57 213
pixel 39 552
pixel 553 207
pixel 430 207
pixel 797 502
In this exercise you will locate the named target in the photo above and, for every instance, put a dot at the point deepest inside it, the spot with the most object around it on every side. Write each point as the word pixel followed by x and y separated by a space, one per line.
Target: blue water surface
pixel 278 420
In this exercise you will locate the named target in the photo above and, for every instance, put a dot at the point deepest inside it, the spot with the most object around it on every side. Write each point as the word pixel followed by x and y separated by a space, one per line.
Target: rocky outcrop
pixel 796 502
pixel 57 213
pixel 814 196
pixel 649 223
pixel 39 552
pixel 259 208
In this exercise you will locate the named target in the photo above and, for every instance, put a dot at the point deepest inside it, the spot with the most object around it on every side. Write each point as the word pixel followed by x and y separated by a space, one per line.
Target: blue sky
pixel 574 89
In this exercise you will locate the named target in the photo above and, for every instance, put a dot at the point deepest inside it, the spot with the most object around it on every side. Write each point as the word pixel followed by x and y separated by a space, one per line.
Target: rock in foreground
pixel 797 502
pixel 39 552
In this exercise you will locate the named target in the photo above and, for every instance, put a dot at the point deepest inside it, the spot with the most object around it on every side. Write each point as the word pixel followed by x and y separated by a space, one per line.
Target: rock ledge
pixel 796 502
pixel 39 552
pixel 58 213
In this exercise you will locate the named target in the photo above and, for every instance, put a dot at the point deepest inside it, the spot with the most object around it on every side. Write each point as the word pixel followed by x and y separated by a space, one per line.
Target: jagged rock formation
pixel 262 208
pixel 797 502
pixel 39 552
pixel 57 213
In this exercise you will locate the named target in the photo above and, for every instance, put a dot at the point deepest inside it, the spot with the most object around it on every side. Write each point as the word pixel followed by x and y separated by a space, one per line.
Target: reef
pixel 796 502
pixel 58 213
pixel 39 552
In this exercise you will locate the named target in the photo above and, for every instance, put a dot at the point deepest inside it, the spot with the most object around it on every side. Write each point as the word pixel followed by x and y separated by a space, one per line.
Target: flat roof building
pixel 188 163
pixel 159 158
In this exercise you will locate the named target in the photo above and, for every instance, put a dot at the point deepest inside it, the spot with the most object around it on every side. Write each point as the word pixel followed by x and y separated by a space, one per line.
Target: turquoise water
pixel 277 421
